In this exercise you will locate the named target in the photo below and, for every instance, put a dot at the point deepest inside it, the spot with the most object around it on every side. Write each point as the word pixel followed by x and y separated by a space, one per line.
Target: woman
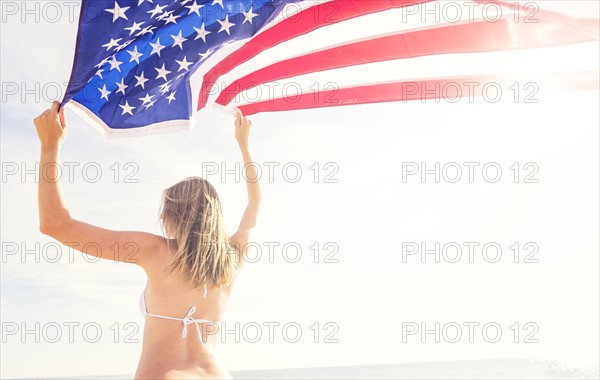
pixel 190 271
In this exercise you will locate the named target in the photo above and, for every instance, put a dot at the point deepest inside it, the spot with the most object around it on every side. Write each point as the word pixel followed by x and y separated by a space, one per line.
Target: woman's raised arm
pixel 55 219
pixel 240 238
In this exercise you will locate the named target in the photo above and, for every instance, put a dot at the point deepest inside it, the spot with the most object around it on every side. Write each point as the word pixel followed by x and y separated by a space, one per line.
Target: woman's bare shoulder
pixel 157 249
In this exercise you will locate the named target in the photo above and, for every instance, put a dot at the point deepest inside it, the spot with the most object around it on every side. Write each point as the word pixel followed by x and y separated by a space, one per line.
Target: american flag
pixel 149 66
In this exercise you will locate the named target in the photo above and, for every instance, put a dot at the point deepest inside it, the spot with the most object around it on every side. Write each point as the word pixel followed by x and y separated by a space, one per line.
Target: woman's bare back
pixel 165 352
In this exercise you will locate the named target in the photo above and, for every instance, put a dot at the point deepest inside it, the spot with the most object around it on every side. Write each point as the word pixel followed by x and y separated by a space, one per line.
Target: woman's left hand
pixel 51 126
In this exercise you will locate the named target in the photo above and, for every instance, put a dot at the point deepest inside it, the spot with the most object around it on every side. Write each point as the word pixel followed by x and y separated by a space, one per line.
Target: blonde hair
pixel 193 224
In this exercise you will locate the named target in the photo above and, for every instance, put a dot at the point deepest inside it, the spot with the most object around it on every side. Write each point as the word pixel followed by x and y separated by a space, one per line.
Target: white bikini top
pixel 187 320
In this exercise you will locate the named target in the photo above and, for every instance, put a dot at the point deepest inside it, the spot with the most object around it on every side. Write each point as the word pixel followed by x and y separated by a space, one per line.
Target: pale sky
pixel 369 214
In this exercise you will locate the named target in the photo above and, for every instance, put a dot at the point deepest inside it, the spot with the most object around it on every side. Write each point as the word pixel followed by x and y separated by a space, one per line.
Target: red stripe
pixel 457 38
pixel 418 90
pixel 308 20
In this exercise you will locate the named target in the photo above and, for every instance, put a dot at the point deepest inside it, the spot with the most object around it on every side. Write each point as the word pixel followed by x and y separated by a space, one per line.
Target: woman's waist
pixel 162 332
pixel 162 364
pixel 165 354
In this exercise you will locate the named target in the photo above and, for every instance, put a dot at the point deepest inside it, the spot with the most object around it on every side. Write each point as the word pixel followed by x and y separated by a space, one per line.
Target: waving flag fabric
pixel 148 66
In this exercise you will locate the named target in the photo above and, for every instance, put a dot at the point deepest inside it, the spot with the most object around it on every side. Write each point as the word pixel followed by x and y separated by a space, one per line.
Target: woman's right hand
pixel 243 128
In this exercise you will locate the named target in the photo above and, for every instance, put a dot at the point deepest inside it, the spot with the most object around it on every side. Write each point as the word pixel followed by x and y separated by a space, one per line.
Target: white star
pixel 178 40
pixel 172 19
pixel 99 73
pixel 183 65
pixel 117 12
pixel 202 33
pixel 162 72
pixel 111 44
pixel 101 63
pixel 171 96
pixel 225 25
pixel 220 2
pixel 114 64
pixel 157 10
pixel 127 108
pixel 135 27
pixel 124 45
pixel 166 14
pixel 141 81
pixel 249 16
pixel 146 30
pixel 122 86
pixel 164 88
pixel 205 54
pixel 157 47
pixel 135 55
pixel 146 99
pixel 104 93
pixel 150 104
pixel 140 2
pixel 194 8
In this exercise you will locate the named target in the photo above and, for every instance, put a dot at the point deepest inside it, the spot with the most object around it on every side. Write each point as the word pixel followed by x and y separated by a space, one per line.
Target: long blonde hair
pixel 193 224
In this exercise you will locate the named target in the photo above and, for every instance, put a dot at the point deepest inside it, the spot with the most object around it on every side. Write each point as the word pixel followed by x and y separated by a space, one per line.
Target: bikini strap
pixel 188 320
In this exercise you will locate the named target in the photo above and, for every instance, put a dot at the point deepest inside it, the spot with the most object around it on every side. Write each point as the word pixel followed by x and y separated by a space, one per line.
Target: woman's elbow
pixel 48 229
pixel 53 228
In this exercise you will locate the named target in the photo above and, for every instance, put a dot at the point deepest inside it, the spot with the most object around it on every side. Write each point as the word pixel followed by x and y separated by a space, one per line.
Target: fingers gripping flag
pixel 147 66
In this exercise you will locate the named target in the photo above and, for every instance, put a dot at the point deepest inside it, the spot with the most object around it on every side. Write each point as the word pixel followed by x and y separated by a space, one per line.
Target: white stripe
pixel 152 129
